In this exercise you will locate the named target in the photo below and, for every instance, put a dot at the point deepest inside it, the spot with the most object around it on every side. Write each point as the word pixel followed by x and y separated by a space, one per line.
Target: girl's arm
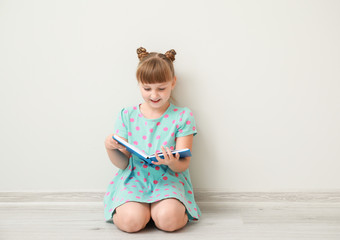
pixel 175 163
pixel 117 153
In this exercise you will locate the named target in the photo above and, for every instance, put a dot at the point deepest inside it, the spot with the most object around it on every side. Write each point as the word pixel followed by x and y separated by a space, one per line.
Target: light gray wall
pixel 262 78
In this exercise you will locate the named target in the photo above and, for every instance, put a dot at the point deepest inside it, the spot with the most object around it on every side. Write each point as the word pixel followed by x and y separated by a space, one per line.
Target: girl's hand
pixel 169 158
pixel 112 144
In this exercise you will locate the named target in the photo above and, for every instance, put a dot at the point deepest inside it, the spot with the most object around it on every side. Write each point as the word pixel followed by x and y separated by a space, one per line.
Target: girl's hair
pixel 155 67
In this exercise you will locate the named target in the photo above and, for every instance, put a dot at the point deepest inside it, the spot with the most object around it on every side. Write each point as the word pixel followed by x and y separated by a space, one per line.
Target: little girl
pixel 161 190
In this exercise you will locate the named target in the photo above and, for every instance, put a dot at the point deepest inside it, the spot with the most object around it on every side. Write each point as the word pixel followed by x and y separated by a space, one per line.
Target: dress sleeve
pixel 187 124
pixel 120 127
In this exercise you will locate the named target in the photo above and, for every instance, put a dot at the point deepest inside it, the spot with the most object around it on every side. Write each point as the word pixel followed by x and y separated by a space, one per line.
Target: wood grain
pixel 220 220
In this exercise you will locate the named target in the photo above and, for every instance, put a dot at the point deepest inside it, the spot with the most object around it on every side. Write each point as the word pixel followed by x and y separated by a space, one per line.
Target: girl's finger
pixel 169 152
pixel 177 156
pixel 166 157
pixel 160 160
pixel 156 163
pixel 116 145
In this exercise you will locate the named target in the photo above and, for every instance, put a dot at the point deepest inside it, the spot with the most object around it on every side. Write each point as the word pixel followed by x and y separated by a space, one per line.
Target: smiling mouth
pixel 155 101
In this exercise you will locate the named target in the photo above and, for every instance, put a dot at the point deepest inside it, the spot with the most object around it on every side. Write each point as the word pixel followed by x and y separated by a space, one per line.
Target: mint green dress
pixel 141 182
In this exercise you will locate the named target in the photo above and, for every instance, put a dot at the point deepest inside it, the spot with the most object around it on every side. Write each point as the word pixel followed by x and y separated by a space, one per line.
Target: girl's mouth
pixel 155 101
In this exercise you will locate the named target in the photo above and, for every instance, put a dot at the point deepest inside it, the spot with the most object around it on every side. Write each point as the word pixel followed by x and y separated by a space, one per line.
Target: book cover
pixel 149 158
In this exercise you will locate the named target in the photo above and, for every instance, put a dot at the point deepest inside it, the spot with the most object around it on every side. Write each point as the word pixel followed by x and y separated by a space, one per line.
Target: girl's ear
pixel 174 83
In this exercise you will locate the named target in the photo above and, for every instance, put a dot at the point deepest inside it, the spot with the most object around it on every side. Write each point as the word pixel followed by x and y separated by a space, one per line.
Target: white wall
pixel 262 78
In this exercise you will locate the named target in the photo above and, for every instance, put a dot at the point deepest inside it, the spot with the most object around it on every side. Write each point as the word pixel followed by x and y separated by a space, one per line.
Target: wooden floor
pixel 274 220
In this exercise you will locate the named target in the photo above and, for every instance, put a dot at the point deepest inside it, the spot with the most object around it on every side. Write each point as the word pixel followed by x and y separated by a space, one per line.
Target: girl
pixel 161 191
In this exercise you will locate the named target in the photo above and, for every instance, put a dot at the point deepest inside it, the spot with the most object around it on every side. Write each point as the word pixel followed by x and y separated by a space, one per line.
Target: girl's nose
pixel 154 94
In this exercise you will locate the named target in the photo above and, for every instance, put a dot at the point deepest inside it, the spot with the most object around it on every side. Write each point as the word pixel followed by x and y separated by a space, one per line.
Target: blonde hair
pixel 155 67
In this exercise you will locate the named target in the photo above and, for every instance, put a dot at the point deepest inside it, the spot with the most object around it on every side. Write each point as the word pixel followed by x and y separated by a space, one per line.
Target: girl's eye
pixel 147 89
pixel 161 89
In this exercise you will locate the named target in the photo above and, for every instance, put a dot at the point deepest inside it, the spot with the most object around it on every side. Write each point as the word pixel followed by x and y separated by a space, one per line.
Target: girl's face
pixel 157 95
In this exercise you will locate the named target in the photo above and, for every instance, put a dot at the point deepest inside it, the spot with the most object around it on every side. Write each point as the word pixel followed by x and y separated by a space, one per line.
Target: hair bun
pixel 171 54
pixel 142 53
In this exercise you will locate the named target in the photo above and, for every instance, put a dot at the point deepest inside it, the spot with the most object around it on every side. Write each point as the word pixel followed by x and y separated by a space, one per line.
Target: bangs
pixel 153 71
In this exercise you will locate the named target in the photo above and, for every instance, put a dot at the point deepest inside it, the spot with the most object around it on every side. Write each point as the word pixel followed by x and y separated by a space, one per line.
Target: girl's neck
pixel 153 113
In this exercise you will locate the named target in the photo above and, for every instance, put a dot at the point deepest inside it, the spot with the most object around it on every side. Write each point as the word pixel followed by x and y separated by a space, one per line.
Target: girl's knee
pixel 130 222
pixel 132 217
pixel 168 220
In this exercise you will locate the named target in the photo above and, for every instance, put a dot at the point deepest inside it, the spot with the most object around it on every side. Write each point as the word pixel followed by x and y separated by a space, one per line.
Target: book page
pixel 130 146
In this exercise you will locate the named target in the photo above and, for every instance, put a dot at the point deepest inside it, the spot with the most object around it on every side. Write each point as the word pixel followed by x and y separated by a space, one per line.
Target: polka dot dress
pixel 141 182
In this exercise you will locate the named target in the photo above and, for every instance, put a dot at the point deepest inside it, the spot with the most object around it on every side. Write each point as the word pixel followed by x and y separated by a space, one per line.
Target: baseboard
pixel 51 196
pixel 213 196
pixel 200 196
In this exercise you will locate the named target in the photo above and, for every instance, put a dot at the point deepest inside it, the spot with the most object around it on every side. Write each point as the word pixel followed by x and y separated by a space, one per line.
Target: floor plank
pixel 220 220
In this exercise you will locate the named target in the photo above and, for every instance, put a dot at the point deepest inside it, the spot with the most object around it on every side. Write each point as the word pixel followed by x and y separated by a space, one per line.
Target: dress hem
pixel 190 217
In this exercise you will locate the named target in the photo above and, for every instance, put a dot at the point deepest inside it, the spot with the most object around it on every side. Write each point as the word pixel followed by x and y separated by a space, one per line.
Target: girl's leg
pixel 132 216
pixel 169 214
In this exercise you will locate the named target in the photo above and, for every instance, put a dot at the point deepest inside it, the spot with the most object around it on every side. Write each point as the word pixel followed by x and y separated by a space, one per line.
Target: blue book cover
pixel 149 158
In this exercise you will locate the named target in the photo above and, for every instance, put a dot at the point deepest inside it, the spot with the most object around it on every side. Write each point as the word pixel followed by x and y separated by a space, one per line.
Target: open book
pixel 149 158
